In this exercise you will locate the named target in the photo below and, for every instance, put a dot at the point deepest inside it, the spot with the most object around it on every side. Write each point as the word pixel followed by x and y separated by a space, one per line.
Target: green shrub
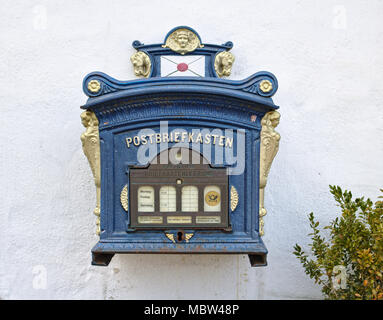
pixel 348 263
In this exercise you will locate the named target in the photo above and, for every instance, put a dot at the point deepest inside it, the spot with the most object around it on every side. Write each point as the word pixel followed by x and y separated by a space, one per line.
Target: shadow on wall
pixel 178 276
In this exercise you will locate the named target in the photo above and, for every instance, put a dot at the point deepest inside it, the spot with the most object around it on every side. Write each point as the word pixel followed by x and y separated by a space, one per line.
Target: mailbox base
pixel 102 253
pixel 258 260
pixel 101 259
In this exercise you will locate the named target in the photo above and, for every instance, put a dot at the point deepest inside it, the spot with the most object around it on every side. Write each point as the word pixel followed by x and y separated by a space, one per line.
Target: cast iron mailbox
pixel 180 158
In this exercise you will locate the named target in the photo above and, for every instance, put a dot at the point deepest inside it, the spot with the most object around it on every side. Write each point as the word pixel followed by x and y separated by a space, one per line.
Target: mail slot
pixel 180 157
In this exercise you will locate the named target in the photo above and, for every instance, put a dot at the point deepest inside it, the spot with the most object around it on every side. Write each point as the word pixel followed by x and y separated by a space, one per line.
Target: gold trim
pixel 223 63
pixel 94 86
pixel 141 64
pixel 91 146
pixel 265 86
pixel 124 198
pixel 170 236
pixel 182 41
pixel 234 198
pixel 188 236
pixel 269 148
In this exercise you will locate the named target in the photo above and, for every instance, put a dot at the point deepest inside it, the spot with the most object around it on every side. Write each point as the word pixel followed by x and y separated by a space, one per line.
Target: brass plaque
pixel 149 219
pixel 208 219
pixel 174 219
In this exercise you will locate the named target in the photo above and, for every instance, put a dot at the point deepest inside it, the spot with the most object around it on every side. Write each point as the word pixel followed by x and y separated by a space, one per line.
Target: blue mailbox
pixel 180 157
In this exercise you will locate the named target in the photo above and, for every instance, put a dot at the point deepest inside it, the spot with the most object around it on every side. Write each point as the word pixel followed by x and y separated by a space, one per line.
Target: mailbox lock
pixel 180 236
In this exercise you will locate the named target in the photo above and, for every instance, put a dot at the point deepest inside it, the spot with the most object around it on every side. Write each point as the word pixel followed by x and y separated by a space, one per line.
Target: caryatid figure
pixel 269 148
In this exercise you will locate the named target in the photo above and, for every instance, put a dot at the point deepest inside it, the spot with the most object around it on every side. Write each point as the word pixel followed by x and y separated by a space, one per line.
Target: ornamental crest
pixel 182 41
pixel 182 54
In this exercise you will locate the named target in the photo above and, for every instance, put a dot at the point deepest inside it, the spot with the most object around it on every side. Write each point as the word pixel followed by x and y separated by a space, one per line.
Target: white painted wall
pixel 328 58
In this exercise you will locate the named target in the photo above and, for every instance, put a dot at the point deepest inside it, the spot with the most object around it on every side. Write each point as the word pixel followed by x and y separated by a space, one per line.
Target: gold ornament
pixel 269 148
pixel 223 63
pixel 94 86
pixel 170 236
pixel 124 199
pixel 141 64
pixel 212 198
pixel 91 146
pixel 234 198
pixel 188 236
pixel 182 41
pixel 265 86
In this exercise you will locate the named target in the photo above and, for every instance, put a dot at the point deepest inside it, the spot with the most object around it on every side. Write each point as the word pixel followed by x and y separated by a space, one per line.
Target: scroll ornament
pixel 91 146
pixel 269 148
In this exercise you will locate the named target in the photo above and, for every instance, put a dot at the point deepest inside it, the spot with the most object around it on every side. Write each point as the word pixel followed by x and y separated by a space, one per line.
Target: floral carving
pixel 94 86
pixel 265 86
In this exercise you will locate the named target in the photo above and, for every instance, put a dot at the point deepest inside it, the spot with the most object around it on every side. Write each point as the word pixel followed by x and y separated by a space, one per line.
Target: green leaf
pixel 355 241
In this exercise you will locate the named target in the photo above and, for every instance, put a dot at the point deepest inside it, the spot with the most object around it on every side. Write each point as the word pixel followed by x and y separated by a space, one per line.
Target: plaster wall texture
pixel 327 56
